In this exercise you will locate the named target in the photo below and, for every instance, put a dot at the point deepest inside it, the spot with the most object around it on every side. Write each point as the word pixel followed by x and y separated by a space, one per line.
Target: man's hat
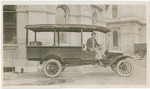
pixel 93 33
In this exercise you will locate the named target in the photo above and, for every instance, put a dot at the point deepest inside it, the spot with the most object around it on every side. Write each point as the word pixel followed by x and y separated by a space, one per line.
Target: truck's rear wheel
pixel 124 68
pixel 52 68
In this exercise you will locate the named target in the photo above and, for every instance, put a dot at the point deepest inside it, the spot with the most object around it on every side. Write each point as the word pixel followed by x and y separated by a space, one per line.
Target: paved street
pixel 84 75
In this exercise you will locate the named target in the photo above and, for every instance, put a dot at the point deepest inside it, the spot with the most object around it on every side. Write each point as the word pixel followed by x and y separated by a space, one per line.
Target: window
pixel 61 19
pixel 115 39
pixel 114 11
pixel 60 16
pixel 9 24
pixel 94 19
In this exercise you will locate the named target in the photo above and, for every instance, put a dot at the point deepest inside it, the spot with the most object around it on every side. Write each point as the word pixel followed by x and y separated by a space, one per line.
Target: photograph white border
pixel 73 3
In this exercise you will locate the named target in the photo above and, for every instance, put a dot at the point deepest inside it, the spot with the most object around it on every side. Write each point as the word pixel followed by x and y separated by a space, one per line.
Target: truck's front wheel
pixel 52 68
pixel 124 68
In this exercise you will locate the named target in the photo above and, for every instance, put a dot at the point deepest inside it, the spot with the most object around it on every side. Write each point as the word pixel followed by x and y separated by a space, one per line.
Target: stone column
pixel 129 36
pixel 22 20
pixel 37 14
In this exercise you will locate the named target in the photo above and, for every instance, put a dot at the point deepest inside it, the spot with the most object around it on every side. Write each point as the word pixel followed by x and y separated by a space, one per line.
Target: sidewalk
pixel 23 78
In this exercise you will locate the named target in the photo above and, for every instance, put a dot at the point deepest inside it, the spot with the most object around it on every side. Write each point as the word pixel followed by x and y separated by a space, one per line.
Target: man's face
pixel 94 35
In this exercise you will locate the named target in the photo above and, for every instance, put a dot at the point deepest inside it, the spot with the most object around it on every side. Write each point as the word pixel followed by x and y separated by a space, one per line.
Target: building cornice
pixel 130 33
pixel 10 45
pixel 49 12
pixel 81 16
pixel 100 7
pixel 126 21
pixel 38 11
pixel 21 11
pixel 35 11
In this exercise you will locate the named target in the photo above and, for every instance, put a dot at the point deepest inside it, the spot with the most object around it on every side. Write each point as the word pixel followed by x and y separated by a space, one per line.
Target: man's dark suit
pixel 89 43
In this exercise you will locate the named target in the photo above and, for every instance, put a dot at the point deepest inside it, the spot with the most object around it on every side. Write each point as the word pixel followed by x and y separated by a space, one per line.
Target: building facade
pixel 127 24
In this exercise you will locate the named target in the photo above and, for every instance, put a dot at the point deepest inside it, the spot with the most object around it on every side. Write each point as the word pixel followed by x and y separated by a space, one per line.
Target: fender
pixel 53 56
pixel 116 59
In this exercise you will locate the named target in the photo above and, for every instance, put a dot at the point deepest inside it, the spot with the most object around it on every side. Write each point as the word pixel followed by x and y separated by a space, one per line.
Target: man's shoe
pixel 100 64
pixel 95 65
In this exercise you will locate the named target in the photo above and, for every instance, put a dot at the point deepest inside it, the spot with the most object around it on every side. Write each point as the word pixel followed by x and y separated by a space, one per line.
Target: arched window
pixel 94 19
pixel 61 19
pixel 9 24
pixel 60 16
pixel 115 38
pixel 114 11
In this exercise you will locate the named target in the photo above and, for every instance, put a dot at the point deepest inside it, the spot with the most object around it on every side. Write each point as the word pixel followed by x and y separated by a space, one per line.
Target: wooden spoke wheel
pixel 52 68
pixel 113 67
pixel 124 68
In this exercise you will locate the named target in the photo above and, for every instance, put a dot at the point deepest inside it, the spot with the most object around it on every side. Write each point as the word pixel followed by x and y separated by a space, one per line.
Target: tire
pixel 43 64
pixel 52 68
pixel 63 69
pixel 124 68
pixel 141 54
pixel 113 67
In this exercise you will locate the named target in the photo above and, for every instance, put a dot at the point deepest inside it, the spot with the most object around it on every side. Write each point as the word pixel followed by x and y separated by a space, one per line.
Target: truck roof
pixel 66 28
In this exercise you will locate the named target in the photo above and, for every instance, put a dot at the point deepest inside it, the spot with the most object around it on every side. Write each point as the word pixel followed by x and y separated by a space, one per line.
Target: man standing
pixel 92 45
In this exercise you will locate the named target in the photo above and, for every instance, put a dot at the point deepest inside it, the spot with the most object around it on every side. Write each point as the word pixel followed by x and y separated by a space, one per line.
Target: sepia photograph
pixel 59 44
